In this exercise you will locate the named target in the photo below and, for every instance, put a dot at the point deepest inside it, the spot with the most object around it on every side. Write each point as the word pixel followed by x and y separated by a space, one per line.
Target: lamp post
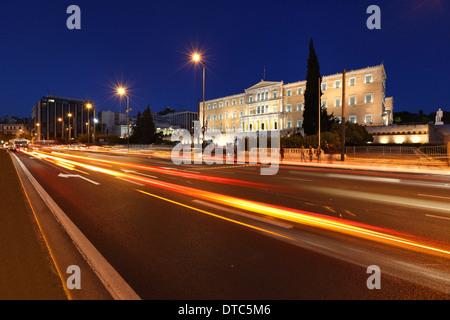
pixel 39 131
pixel 70 128
pixel 196 57
pixel 122 92
pixel 88 107
pixel 62 129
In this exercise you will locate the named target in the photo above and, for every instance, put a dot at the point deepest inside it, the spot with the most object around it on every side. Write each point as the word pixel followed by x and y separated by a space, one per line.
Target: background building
pixel 51 120
pixel 271 105
pixel 112 122
pixel 179 119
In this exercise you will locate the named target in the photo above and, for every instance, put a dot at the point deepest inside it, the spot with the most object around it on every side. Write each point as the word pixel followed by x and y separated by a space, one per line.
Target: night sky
pixel 146 45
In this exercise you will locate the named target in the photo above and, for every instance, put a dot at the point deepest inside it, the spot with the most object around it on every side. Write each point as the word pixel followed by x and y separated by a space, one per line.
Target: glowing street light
pixel 197 58
pixel 88 107
pixel 62 129
pixel 38 125
pixel 70 128
pixel 121 91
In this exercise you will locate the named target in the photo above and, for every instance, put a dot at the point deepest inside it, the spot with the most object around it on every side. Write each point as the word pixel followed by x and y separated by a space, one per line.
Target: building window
pixel 250 99
pixel 214 117
pixel 262 126
pixel 267 95
pixel 250 127
pixel 299 123
pixel 234 114
pixel 274 94
pixel 227 116
pixel 368 78
pixel 352 100
pixel 241 114
pixel 220 116
pixel 337 84
pixel 324 86
pixel 275 125
pixel 299 106
pixel 289 108
pixel 337 102
pixel 352 119
pixel 234 128
pixel 221 104
pixel 352 82
pixel 368 98
pixel 368 119
pixel 288 124
pixel 234 102
pixel 300 90
pixel 324 103
pixel 209 118
pixel 241 101
pixel 289 93
pixel 209 107
pixel 215 106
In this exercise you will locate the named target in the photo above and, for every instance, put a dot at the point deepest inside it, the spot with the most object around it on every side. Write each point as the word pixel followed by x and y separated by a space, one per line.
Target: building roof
pixel 264 83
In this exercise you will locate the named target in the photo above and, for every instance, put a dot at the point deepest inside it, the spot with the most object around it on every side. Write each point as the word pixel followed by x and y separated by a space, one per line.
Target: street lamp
pixel 196 58
pixel 70 128
pixel 62 129
pixel 88 107
pixel 39 131
pixel 121 91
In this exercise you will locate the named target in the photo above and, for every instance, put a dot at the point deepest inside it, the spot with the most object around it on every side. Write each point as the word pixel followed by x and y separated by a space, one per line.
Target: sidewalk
pixel 27 271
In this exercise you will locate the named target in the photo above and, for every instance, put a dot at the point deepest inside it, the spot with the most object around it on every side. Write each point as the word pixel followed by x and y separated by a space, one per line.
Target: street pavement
pixel 49 277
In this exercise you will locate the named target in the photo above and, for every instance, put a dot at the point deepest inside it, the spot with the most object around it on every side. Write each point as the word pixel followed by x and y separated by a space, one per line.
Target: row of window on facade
pixel 265 109
pixel 289 124
pixel 12 128
pixel 265 95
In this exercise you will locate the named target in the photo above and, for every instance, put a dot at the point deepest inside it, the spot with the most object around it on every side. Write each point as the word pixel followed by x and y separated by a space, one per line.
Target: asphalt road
pixel 207 232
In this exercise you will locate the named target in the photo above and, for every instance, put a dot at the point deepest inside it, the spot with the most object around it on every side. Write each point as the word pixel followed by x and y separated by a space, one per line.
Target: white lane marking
pixel 77 176
pixel 179 169
pixel 273 222
pixel 433 196
pixel 352 177
pixel 439 217
pixel 130 181
pixel 298 179
pixel 113 282
pixel 138 173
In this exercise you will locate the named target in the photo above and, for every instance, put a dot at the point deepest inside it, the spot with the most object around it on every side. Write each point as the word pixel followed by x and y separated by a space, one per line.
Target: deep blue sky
pixel 146 44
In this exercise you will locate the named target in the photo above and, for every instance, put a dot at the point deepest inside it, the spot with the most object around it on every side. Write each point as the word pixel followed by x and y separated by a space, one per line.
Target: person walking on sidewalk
pixel 282 152
pixel 311 153
pixel 302 154
pixel 318 153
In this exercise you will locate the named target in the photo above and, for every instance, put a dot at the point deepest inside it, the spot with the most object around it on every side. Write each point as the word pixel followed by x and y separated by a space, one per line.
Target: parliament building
pixel 274 105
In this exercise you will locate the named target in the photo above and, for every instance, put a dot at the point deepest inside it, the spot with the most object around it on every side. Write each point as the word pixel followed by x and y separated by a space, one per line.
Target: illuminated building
pixel 273 105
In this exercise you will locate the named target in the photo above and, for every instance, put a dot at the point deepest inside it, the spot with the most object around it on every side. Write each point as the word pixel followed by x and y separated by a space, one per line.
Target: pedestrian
pixel 318 153
pixel 282 152
pixel 311 153
pixel 303 154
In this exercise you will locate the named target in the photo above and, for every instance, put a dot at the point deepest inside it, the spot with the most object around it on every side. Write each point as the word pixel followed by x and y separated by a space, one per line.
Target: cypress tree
pixel 148 127
pixel 313 87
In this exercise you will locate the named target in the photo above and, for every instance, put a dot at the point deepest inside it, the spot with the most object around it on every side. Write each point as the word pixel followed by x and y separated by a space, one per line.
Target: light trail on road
pixel 351 228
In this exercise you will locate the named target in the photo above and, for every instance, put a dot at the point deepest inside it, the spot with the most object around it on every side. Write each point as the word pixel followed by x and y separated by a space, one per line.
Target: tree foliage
pixel 312 92
pixel 355 134
pixel 144 132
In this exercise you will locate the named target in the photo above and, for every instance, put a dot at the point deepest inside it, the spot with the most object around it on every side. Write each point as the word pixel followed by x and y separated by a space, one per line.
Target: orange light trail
pixel 173 172
pixel 301 217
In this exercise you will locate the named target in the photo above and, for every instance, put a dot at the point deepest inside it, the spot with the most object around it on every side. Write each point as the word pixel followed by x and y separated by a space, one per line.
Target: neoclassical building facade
pixel 274 105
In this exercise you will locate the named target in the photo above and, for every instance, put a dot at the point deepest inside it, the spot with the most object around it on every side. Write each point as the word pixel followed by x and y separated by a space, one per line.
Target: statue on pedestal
pixel 439 116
